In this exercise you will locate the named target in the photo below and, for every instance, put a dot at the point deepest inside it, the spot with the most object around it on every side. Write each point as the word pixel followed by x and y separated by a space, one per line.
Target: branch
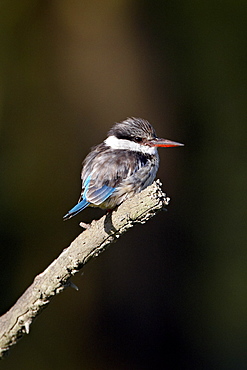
pixel 90 243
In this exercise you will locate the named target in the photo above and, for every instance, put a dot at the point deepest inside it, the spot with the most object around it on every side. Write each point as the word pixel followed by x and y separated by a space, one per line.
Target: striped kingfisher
pixel 123 165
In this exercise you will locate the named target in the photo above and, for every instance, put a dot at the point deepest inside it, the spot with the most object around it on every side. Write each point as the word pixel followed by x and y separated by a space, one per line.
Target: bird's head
pixel 136 134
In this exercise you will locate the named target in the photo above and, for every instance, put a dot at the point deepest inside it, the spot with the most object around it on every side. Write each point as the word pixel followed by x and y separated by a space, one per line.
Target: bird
pixel 124 164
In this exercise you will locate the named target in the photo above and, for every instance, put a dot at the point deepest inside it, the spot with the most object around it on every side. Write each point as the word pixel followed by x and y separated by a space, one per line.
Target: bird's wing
pixel 91 194
pixel 103 171
pixel 96 193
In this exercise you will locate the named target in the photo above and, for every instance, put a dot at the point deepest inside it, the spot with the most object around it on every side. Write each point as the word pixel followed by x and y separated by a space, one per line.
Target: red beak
pixel 163 143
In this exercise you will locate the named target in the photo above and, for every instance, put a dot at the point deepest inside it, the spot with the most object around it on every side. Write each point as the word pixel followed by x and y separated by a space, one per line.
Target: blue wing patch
pixel 86 183
pixel 98 196
pixel 90 196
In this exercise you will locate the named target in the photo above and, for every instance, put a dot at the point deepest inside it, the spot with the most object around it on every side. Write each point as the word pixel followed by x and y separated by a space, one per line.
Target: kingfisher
pixel 124 164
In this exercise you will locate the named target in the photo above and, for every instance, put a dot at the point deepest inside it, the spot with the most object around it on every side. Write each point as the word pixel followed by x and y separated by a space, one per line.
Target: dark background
pixel 171 293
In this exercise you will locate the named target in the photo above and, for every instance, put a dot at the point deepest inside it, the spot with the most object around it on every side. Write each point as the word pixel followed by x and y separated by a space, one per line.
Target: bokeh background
pixel 171 293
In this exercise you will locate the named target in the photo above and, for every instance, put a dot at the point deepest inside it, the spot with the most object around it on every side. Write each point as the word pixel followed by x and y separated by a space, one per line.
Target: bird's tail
pixel 76 209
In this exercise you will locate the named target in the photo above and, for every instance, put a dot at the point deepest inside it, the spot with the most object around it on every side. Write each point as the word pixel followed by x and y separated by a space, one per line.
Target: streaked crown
pixel 133 129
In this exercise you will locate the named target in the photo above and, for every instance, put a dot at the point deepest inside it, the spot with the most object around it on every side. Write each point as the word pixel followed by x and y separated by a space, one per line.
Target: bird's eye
pixel 137 139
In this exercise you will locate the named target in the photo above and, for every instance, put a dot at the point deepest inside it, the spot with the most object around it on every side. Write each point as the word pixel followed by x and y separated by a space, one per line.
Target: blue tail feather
pixel 76 209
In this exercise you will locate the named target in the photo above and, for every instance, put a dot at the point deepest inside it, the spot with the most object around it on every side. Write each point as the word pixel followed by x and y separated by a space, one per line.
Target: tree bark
pixel 90 243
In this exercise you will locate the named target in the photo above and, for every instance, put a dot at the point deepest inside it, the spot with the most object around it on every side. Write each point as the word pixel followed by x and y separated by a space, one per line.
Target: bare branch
pixel 90 243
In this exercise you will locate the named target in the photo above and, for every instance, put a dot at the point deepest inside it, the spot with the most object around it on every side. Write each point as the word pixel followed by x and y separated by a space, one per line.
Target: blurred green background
pixel 171 293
